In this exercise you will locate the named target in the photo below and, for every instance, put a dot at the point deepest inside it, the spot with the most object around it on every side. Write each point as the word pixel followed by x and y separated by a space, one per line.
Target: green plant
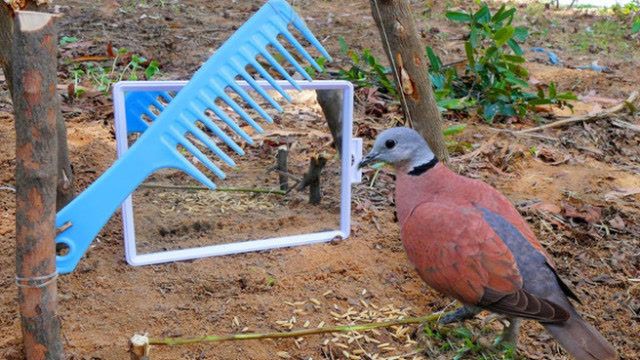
pixel 494 77
pixel 77 77
pixel 636 24
pixel 366 70
pixel 105 75
pixel 312 70
pixel 464 342
pixel 68 40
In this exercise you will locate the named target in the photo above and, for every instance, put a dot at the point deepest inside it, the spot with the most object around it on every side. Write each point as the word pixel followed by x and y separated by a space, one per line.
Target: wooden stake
pixel 281 158
pixel 312 179
pixel 36 106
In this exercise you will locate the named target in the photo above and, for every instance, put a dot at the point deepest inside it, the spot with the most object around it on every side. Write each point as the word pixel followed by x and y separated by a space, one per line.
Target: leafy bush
pixel 494 77
pixel 366 70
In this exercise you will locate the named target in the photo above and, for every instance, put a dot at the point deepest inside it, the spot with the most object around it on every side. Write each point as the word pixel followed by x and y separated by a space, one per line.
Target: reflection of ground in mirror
pixel 171 219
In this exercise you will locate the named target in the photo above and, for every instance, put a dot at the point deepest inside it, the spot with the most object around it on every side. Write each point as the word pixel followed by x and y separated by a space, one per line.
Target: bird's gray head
pixel 402 148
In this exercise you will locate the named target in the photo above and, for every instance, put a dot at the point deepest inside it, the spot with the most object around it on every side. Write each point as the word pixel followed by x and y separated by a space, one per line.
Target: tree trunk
pixel 36 108
pixel 331 103
pixel 406 56
pixel 65 189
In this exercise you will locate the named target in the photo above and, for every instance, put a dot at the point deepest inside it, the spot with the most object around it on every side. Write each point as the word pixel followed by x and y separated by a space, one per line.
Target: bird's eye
pixel 390 144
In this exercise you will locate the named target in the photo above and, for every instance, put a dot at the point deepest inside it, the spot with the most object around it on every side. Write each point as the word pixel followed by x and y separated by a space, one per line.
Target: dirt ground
pixel 577 186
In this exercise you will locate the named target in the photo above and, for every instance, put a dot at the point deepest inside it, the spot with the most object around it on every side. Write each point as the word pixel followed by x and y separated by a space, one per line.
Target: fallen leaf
pixel 617 222
pixel 588 213
pixel 620 193
pixel 545 206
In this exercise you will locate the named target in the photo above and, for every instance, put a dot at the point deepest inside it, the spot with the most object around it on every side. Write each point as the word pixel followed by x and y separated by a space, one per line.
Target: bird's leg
pixel 462 313
pixel 511 332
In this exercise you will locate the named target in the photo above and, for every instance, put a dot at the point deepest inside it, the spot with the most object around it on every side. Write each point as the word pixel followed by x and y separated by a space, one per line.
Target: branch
pixel 294 334
pixel 609 111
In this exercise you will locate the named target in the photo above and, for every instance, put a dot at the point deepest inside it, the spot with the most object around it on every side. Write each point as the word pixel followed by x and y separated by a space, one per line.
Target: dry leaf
pixel 620 193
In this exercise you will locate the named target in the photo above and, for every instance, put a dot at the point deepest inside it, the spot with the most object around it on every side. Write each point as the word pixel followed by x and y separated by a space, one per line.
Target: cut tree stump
pixel 65 187
pixel 36 107
pixel 139 347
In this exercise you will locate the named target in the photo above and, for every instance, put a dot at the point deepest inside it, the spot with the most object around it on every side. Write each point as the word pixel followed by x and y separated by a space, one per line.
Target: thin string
pixel 36 282
pixel 393 62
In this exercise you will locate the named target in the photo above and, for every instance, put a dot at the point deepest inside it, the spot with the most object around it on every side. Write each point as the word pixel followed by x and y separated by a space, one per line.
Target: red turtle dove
pixel 469 242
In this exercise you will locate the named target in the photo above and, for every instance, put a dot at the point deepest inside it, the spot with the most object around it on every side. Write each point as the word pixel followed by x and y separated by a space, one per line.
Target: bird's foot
pixel 511 332
pixel 462 313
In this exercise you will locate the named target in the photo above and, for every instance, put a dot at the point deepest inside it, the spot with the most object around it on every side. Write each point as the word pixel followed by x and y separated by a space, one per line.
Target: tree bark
pixel 405 53
pixel 65 189
pixel 36 108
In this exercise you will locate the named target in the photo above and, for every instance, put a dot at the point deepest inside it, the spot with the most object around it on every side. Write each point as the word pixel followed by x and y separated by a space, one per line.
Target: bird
pixel 469 242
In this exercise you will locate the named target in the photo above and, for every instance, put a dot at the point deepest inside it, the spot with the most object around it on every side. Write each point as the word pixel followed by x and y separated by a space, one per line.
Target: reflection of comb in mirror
pixel 163 144
pixel 167 219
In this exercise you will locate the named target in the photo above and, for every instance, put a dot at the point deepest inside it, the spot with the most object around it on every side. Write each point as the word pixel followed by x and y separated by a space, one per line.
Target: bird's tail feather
pixel 581 340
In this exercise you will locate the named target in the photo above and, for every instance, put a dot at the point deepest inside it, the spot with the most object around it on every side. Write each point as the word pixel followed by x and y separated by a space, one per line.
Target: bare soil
pixel 577 186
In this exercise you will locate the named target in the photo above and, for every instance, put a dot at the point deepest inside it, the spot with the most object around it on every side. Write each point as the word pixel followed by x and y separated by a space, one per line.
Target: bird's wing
pixel 458 253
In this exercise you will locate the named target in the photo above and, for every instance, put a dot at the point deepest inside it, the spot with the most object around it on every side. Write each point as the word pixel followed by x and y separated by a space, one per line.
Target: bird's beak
pixel 371 157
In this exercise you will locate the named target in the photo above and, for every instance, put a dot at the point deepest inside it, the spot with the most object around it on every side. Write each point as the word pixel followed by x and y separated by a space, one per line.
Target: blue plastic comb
pixel 83 218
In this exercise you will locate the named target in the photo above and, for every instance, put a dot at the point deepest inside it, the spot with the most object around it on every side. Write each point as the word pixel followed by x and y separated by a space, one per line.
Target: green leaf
pixel 457 16
pixel 544 101
pixel 636 24
pixel 68 40
pixel 632 108
pixel 552 90
pixel 433 59
pixel 514 80
pixel 498 17
pixel 343 45
pixel 566 96
pixel 503 35
pixel 455 129
pixel 515 58
pixel 515 47
pixel 455 104
pixel 470 55
pixel 521 34
pixel 491 111
pixel 483 15
pixel 473 37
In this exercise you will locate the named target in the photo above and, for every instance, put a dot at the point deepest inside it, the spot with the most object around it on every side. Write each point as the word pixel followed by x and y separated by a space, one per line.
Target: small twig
pixel 195 187
pixel 585 117
pixel 8 188
pixel 294 334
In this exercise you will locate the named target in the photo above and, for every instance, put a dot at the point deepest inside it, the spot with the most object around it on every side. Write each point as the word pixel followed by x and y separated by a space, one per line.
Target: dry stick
pixel 609 111
pixel 196 187
pixel 281 165
pixel 306 332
